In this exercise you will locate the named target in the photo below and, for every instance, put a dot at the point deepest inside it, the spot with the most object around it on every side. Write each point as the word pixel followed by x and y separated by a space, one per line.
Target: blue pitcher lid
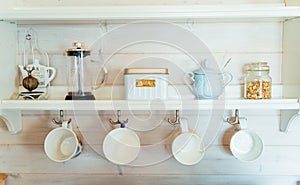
pixel 199 71
pixel 204 68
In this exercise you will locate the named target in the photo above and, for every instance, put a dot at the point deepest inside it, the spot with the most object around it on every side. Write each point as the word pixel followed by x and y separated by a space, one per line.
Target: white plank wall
pixel 23 158
pixel 243 42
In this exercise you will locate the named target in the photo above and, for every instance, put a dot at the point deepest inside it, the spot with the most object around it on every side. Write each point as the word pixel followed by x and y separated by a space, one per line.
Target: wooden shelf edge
pixel 273 104
pixel 150 12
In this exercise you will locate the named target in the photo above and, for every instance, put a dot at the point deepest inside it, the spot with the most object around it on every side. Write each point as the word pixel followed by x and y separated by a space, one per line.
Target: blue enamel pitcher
pixel 207 83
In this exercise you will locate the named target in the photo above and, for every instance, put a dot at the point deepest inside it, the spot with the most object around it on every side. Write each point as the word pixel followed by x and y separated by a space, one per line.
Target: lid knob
pixel 79 51
pixel 78 44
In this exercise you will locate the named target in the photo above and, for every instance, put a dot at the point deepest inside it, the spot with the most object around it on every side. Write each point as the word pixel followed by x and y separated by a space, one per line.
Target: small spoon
pixel 225 65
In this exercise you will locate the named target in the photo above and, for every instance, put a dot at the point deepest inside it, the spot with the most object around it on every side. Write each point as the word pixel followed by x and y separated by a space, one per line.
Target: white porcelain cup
pixel 187 147
pixel 246 145
pixel 62 144
pixel 121 146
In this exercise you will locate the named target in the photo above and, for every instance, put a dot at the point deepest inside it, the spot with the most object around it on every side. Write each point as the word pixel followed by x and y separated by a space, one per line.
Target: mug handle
pixel 79 149
pixel 187 77
pixel 243 123
pixel 53 73
pixel 229 77
pixel 66 124
pixel 184 125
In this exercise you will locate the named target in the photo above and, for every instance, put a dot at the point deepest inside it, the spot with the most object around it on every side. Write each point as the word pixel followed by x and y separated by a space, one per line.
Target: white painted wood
pixel 95 179
pixel 291 56
pixel 216 36
pixel 149 12
pixel 12 119
pixel 249 37
pixel 31 159
pixel 6 5
pixel 292 2
pixel 151 128
pixel 216 161
pixel 150 105
pixel 225 163
pixel 245 40
pixel 8 50
pixel 178 64
pixel 32 3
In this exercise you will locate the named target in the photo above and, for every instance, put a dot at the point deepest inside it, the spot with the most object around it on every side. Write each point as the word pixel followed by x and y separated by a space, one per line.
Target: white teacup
pixel 62 144
pixel 246 145
pixel 121 146
pixel 187 147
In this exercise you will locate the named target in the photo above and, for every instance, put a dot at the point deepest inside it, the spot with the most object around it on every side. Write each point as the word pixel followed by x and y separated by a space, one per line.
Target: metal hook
pixel 236 118
pixel 177 119
pixel 61 118
pixel 118 119
pixel 28 36
pixel 189 24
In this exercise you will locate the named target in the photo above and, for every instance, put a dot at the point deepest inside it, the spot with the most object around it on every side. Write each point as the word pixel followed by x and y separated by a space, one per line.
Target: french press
pixel 78 90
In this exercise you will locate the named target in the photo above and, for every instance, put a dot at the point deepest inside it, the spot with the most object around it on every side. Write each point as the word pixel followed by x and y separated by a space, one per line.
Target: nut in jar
pixel 258 83
pixel 258 90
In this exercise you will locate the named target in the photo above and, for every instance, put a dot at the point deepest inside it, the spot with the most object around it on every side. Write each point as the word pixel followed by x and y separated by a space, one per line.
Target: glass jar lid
pixel 258 66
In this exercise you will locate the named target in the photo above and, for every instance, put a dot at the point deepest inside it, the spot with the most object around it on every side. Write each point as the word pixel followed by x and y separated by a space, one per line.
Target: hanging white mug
pixel 246 145
pixel 187 147
pixel 121 145
pixel 62 144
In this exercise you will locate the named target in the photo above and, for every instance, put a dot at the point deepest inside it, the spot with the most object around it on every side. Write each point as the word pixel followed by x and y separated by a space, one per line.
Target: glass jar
pixel 258 83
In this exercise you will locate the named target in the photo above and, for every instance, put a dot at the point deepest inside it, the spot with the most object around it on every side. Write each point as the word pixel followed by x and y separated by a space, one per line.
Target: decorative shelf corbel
pixel 12 119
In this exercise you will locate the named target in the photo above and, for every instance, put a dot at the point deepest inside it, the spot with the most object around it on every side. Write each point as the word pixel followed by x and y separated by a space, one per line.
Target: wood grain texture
pixel 23 157
pixel 3 178
pixel 243 42
pixel 95 179
pixel 217 159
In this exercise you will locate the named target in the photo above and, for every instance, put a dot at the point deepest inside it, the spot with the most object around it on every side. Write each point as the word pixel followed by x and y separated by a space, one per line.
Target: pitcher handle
pixel 187 77
pixel 23 72
pixel 53 73
pixel 229 78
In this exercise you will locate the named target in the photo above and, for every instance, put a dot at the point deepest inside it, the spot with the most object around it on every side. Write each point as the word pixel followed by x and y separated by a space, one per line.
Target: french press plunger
pixel 78 90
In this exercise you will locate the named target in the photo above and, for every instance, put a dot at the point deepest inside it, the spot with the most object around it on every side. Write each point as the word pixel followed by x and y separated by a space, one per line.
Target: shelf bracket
pixel 288 117
pixel 12 119
pixel 285 116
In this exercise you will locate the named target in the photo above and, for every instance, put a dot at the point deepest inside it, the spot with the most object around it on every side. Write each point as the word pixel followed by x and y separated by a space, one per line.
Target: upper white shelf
pixel 273 104
pixel 149 12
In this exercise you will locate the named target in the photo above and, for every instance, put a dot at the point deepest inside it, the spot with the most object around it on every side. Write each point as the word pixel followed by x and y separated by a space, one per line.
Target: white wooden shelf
pixel 10 110
pixel 273 104
pixel 150 12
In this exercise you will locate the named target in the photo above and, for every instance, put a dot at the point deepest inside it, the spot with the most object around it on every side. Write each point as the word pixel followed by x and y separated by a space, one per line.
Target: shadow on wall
pixel 227 137
pixel 3 125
